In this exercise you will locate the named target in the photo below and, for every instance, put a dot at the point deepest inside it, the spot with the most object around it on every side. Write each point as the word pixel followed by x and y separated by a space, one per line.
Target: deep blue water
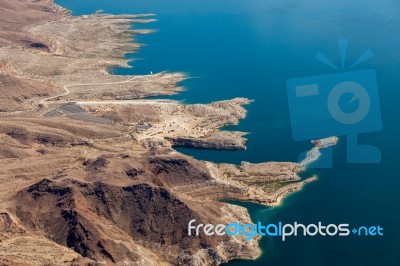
pixel 236 48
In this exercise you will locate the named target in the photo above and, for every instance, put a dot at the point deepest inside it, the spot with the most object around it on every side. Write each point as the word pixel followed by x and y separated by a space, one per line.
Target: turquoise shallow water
pixel 249 49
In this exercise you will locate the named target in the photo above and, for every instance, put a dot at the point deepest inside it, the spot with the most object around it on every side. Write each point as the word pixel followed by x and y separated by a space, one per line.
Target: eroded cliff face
pixel 215 141
pixel 87 170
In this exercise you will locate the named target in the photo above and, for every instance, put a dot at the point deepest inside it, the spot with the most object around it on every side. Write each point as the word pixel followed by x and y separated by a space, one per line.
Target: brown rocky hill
pixel 65 212
pixel 15 93
pixel 105 222
pixel 17 14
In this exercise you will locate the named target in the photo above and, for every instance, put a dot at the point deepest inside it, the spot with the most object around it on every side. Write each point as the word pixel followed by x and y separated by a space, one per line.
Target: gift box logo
pixel 338 104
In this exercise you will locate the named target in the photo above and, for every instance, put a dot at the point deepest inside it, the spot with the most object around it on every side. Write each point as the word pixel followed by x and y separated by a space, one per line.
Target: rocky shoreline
pixel 77 190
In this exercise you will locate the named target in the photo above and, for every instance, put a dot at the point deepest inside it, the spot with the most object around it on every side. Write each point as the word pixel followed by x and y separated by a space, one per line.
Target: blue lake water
pixel 234 48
